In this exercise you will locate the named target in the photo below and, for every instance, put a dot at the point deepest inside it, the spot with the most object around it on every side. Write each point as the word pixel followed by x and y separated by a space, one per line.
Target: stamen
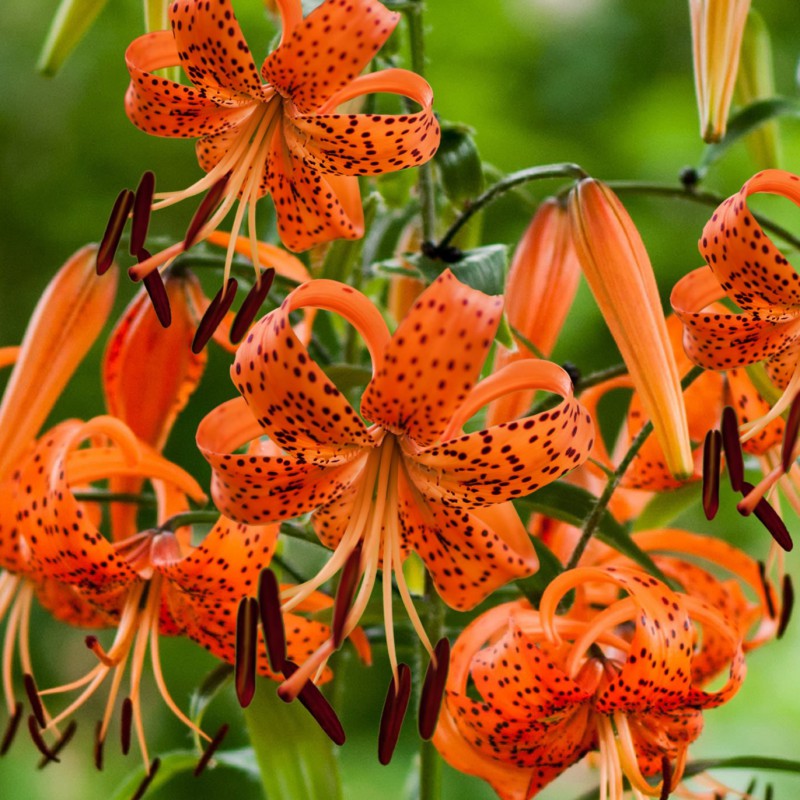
pixel 787 604
pixel 666 778
pixel 211 749
pixel 158 294
pixel 99 741
pixel 732 447
pixel 712 449
pixel 269 603
pixel 34 699
pixel 790 434
pixel 11 729
pixel 768 792
pixel 394 711
pixel 246 644
pixel 762 573
pixel 126 720
pixel 216 310
pixel 769 518
pixel 97 649
pixel 251 305
pixel 36 736
pixel 430 700
pixel 142 204
pixel 63 741
pixel 315 703
pixel 204 211
pixel 113 233
pixel 344 595
pixel 315 663
pixel 145 784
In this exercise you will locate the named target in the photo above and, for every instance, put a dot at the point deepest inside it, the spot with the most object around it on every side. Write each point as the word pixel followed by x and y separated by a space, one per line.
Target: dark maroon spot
pixel 790 434
pixel 246 644
pixel 319 708
pixel 211 749
pixel 33 698
pixel 113 233
pixel 158 295
pixel 36 736
pixel 394 711
pixel 142 204
pixel 712 450
pixel 430 700
pixel 207 207
pixel 251 305
pixel 216 311
pixel 787 604
pixel 11 729
pixel 269 603
pixel 732 447
pixel 126 722
pixel 63 741
pixel 344 595
pixel 145 784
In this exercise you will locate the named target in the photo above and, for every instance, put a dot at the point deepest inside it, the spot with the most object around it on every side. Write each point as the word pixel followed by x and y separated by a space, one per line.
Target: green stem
pixel 430 763
pixel 710 199
pixel 594 518
pixel 427 188
pixel 100 496
pixel 543 172
pixel 206 517
pixel 601 375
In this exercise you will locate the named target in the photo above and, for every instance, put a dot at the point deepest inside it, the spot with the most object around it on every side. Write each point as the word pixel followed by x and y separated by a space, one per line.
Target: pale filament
pixel 751 429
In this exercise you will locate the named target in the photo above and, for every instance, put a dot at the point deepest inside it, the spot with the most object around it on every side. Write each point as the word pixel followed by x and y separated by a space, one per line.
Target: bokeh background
pixel 605 83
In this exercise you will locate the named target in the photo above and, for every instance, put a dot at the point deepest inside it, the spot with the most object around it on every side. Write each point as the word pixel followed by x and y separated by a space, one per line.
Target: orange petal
pixel 67 320
pixel 717 29
pixel 433 360
pixel 750 405
pixel 618 271
pixel 541 286
pixel 328 48
pixel 367 144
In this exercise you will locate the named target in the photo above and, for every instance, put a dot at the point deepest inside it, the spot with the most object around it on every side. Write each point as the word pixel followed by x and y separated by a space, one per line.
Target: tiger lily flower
pixel 542 281
pixel 717 31
pixel 283 137
pixel 618 271
pixel 621 680
pixel 412 481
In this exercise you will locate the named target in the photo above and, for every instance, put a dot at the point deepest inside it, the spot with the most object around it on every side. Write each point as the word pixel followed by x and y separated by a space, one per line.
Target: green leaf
pixel 764 385
pixel 549 568
pixel 504 334
pixel 73 18
pixel 348 376
pixel 746 121
pixel 340 260
pixel 172 764
pixel 295 757
pixel 743 762
pixel 667 506
pixel 459 163
pixel 573 504
pixel 212 684
pixel 483 268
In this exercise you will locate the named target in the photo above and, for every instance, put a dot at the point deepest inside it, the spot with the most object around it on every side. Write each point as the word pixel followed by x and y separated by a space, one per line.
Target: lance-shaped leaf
pixel 72 20
pixel 619 273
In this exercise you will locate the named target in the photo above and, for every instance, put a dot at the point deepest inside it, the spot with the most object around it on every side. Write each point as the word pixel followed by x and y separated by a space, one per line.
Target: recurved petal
pixel 367 144
pixel 254 488
pixel 433 360
pixel 326 50
pixel 67 320
pixel 468 554
pixel 162 107
pixel 750 406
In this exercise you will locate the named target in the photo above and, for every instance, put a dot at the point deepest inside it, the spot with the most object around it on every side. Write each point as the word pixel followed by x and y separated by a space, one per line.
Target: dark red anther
pixel 11 729
pixel 762 574
pixel 125 725
pixel 666 778
pixel 768 792
pixel 770 519
pixel 787 604
pixel 113 233
pixel 751 787
pixel 315 703
pixel 732 447
pixel 246 644
pixel 33 698
pixel 790 434
pixel 211 749
pixel 269 603
pixel 215 312
pixel 250 306
pixel 712 449
pixel 207 207
pixel 98 746
pixel 36 736
pixel 65 739
pixel 430 700
pixel 142 204
pixel 344 595
pixel 394 711
pixel 158 293
pixel 148 779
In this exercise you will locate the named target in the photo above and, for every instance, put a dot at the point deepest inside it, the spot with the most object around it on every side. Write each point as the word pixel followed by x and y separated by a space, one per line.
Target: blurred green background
pixel 605 83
